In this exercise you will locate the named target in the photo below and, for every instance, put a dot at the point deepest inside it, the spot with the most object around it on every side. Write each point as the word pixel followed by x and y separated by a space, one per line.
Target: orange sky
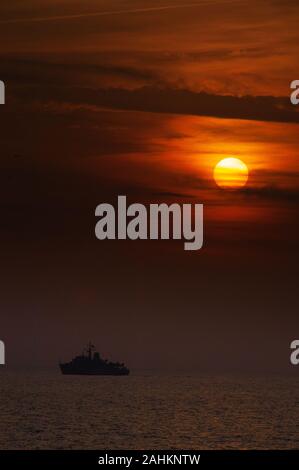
pixel 221 46
pixel 104 101
pixel 62 57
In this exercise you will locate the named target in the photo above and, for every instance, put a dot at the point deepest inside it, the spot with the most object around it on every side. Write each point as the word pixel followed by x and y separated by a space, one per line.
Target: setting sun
pixel 231 173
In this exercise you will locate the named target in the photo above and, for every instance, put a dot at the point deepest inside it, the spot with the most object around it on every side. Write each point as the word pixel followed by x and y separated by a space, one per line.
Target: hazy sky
pixel 144 98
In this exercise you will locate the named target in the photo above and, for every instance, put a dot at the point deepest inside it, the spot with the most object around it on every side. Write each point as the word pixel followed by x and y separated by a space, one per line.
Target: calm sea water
pixel 144 411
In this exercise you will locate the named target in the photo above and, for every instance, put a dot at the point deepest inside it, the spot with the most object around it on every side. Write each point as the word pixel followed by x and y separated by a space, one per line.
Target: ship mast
pixel 90 348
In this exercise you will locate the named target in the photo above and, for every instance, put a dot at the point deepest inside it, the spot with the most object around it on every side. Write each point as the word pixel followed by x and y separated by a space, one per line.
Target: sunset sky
pixel 144 98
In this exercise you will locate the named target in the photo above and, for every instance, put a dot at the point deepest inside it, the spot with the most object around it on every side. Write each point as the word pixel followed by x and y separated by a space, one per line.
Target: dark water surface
pixel 47 410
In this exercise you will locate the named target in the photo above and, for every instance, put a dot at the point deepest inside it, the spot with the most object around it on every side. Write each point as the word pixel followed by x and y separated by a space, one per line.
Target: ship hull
pixel 67 369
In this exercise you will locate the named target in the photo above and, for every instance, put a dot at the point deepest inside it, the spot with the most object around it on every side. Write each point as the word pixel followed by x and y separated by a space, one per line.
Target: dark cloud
pixel 168 194
pixel 35 71
pixel 273 193
pixel 173 101
pixel 179 101
pixel 211 55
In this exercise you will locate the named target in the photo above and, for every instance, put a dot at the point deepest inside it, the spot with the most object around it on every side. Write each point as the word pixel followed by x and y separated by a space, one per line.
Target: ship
pixel 91 363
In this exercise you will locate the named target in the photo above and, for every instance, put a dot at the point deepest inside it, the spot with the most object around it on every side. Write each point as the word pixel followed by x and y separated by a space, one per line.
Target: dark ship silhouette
pixel 92 364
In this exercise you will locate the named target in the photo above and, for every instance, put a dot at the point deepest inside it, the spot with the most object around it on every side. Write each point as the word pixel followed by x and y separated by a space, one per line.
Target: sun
pixel 231 173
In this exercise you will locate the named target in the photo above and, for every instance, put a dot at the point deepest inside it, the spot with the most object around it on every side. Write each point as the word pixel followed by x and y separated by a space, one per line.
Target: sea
pixel 46 410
